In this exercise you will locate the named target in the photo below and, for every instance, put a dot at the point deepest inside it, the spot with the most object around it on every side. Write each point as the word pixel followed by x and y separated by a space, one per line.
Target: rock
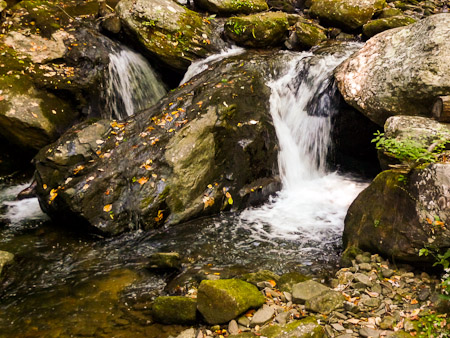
pixel 288 280
pixel 172 33
pixel 387 273
pixel 165 260
pixel 287 6
pixel 374 27
pixel 222 300
pixel 349 254
pixel 371 302
pixel 325 302
pixel 305 35
pixel 304 291
pixel 390 12
pixel 365 266
pixel 6 258
pixel 262 315
pixel 362 278
pixel 387 323
pixel 189 333
pixel 227 7
pixel 233 327
pixel 174 310
pixel 260 276
pixel 145 172
pixel 282 317
pixel 407 214
pixel 258 30
pixel 368 332
pixel 307 327
pixel 348 14
pixel 397 72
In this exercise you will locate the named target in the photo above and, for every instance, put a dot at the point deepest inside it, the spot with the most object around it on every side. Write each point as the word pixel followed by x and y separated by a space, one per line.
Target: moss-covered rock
pixel 258 30
pixel 226 7
pixel 165 260
pixel 348 14
pixel 220 301
pixel 326 302
pixel 305 35
pixel 174 310
pixel 288 280
pixel 172 33
pixel 379 25
pixel 304 328
pixel 260 276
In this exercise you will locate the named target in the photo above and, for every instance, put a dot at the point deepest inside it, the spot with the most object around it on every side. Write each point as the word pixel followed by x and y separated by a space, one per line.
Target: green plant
pixel 444 261
pixel 412 152
pixel 376 223
pixel 237 27
pixel 434 326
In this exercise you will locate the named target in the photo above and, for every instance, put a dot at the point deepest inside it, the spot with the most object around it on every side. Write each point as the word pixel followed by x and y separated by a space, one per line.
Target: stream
pixel 64 284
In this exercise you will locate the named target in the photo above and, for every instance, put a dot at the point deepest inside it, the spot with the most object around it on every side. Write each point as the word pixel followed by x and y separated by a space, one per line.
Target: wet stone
pixel 365 266
pixel 362 278
pixel 305 291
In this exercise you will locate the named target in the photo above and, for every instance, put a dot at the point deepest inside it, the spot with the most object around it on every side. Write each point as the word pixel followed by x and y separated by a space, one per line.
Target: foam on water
pixel 313 202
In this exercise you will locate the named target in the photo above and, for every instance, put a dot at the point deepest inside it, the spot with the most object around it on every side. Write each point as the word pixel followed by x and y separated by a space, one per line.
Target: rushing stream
pixel 63 284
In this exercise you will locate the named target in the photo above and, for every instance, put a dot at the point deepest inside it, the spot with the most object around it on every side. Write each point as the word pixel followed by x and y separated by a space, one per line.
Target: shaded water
pixel 63 284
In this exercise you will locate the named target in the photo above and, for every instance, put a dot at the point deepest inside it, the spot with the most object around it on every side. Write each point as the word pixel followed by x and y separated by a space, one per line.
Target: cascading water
pixel 132 84
pixel 312 204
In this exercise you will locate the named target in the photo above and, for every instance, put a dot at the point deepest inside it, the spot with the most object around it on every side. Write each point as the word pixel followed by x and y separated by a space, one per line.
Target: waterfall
pixel 313 202
pixel 132 85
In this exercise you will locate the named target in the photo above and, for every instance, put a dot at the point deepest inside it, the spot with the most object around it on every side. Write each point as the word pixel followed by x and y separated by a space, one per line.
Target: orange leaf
pixel 142 180
pixel 272 282
pixel 107 208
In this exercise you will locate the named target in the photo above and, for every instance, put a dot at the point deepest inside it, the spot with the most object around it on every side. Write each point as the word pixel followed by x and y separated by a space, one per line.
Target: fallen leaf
pixel 159 216
pixel 107 208
pixel 142 180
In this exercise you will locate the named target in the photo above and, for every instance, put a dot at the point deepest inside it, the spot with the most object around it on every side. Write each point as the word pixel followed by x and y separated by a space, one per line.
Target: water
pixel 132 84
pixel 64 283
pixel 311 207
pixel 200 65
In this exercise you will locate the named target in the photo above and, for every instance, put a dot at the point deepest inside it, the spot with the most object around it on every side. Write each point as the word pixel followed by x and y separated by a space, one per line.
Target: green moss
pixel 174 310
pixel 288 280
pixel 377 26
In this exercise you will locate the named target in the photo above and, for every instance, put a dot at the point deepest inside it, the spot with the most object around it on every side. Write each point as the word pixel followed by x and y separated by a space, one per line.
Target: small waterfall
pixel 313 202
pixel 132 85
pixel 200 65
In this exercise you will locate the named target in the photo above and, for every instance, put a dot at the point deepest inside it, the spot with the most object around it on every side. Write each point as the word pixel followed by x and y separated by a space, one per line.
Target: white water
pixel 313 202
pixel 20 211
pixel 132 84
pixel 200 65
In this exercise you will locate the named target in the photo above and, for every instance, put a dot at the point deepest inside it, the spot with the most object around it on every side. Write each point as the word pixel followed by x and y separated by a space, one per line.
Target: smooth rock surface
pixel 308 290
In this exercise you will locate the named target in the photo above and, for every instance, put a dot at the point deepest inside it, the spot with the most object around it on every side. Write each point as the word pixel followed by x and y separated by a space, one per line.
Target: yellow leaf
pixel 44 186
pixel 230 201
pixel 53 194
pixel 159 216
pixel 78 169
pixel 142 180
pixel 210 186
pixel 107 208
pixel 208 201
pixel 272 282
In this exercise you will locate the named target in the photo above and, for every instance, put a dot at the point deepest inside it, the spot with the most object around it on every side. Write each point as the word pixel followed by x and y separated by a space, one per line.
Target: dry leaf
pixel 142 180
pixel 107 208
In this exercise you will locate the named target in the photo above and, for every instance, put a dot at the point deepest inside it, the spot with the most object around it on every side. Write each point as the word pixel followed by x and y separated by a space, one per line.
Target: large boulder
pixel 398 215
pixel 199 151
pixel 226 7
pixel 170 32
pixel 399 72
pixel 258 30
pixel 349 14
pixel 219 301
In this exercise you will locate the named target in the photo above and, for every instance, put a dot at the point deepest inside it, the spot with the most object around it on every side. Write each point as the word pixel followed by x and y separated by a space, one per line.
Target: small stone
pixel 233 327
pixel 165 260
pixel 244 321
pixel 288 296
pixel 365 266
pixel 189 333
pixel 302 292
pixel 326 302
pixel 338 327
pixel 339 315
pixel 349 306
pixel 387 323
pixel 262 316
pixel 362 259
pixel 424 294
pixel 368 332
pixel 408 325
pixel 371 302
pixel 359 277
pixel 282 318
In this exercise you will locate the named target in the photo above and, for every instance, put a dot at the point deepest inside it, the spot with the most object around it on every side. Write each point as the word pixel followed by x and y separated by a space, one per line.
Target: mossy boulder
pixel 170 32
pixel 219 301
pixel 288 280
pixel 260 276
pixel 258 30
pixel 144 172
pixel 227 7
pixel 374 27
pixel 399 214
pixel 398 71
pixel 348 14
pixel 305 35
pixel 174 310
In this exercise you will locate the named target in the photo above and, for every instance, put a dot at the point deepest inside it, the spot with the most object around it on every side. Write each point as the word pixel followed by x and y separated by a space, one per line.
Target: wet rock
pixel 227 7
pixel 172 33
pixel 6 258
pixel 304 291
pixel 165 260
pixel 307 327
pixel 258 30
pixel 174 310
pixel 143 172
pixel 397 72
pixel 348 14
pixel 222 300
pixel 380 25
pixel 260 276
pixel 326 302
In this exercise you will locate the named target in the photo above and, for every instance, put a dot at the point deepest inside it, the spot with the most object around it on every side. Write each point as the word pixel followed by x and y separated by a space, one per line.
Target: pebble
pixel 233 327
pixel 368 332
pixel 263 315
pixel 364 279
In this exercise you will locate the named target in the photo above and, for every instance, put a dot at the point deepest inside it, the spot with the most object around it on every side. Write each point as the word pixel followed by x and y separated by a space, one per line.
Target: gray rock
pixel 262 315
pixel 282 317
pixel 325 302
pixel 165 260
pixel 233 327
pixel 244 321
pixel 371 302
pixel 304 291
pixel 362 278
pixel 365 266
pixel 338 327
pixel 189 333
pixel 398 72
pixel 368 332
pixel 387 323
pixel 387 273
pixel 362 258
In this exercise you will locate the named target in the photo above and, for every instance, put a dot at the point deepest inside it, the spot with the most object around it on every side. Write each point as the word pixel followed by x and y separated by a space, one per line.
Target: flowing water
pixel 132 84
pixel 63 284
